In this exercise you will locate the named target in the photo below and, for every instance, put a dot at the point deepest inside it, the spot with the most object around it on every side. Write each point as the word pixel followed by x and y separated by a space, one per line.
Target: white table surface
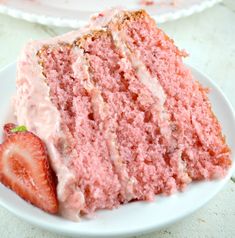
pixel 209 37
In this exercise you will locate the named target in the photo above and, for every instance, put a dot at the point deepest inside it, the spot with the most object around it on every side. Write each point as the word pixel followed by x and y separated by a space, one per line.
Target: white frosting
pixel 33 107
pixel 150 82
pixel 104 18
pixel 143 74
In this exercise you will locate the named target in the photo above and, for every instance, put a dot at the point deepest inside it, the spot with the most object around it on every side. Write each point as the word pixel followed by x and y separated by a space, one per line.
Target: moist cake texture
pixel 122 116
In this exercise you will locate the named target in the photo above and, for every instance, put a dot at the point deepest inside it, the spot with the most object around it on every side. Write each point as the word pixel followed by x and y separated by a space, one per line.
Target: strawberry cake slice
pixel 121 115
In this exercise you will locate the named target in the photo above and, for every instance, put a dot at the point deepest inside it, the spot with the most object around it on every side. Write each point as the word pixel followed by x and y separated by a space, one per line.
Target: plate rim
pixel 147 229
pixel 76 23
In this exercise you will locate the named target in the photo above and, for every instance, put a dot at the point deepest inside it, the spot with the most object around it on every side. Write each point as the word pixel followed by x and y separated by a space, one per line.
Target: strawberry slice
pixel 24 168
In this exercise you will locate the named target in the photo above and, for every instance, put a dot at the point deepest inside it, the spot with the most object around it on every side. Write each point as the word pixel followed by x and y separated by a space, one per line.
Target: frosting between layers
pixel 100 109
pixel 154 86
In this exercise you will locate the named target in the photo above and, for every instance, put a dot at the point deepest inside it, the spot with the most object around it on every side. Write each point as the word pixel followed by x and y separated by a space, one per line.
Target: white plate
pixel 134 218
pixel 75 13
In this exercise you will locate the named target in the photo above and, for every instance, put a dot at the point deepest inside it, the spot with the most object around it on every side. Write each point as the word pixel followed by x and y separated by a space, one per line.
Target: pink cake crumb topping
pixel 129 120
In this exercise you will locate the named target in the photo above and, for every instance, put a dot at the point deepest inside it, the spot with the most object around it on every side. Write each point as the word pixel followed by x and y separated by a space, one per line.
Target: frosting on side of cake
pixel 34 109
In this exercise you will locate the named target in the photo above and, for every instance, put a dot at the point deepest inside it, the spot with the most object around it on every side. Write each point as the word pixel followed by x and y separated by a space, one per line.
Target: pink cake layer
pixel 197 129
pixel 124 118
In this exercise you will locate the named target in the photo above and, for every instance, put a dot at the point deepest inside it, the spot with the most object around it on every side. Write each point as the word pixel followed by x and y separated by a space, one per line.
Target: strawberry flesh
pixel 25 168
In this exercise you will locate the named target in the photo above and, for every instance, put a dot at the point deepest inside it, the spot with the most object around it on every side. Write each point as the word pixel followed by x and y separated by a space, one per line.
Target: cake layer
pixel 196 129
pixel 132 119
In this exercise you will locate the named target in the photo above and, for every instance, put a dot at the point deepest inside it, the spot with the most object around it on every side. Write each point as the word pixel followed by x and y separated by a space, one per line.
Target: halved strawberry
pixel 24 167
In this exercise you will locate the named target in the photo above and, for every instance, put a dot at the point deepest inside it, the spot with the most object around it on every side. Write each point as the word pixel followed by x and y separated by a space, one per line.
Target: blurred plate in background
pixel 75 13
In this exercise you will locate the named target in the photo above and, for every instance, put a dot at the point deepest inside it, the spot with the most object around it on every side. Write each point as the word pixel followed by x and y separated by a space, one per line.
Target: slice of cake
pixel 121 115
